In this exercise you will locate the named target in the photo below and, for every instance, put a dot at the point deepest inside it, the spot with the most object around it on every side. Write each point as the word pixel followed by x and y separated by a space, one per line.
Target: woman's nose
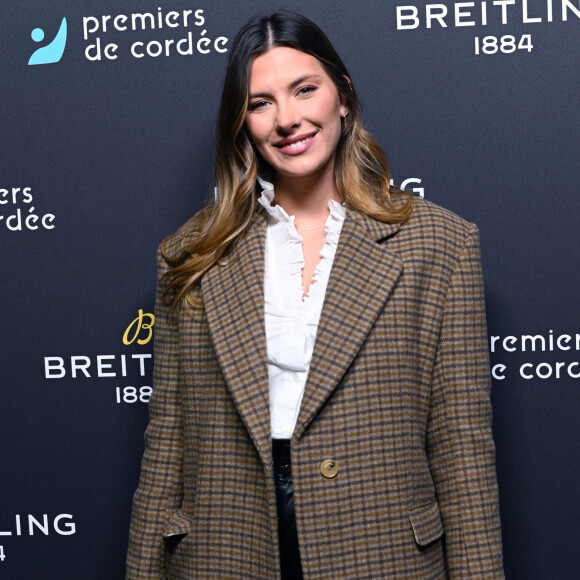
pixel 287 116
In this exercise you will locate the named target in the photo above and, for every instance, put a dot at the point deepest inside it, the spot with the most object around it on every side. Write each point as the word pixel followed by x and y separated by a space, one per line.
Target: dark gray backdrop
pixel 119 152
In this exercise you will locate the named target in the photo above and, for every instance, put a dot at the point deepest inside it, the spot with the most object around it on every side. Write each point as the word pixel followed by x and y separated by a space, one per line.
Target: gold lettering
pixel 141 325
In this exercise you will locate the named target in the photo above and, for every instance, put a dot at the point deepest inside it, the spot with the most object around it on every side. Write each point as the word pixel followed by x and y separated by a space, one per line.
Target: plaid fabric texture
pixel 397 396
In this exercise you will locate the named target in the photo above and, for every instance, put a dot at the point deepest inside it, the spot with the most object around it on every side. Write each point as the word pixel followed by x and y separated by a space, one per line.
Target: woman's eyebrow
pixel 292 85
pixel 308 77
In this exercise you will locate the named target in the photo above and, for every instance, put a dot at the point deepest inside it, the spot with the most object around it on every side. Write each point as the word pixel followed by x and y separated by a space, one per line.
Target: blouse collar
pixel 278 213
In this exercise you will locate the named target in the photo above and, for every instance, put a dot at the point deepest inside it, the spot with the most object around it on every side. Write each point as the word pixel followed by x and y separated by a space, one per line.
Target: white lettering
pixel 111 48
pixel 431 15
pixel 48 217
pixel 526 18
pixel 547 374
pixel 203 42
pixel 172 16
pixel 511 340
pixel 104 21
pixel 420 191
pixel 142 358
pixel 186 14
pixel 142 18
pixel 401 16
pixel 497 372
pixel 219 42
pixel 533 340
pixel 106 366
pixel 50 367
pixel 133 46
pixel 151 51
pixel 80 363
pixel 116 24
pixel 545 370
pixel 32 521
pixel 68 528
pixel 199 18
pixel 96 50
pixel 504 4
pixel 567 5
pixel 567 338
pixel 187 40
pixel 101 365
pixel 459 14
pixel 86 30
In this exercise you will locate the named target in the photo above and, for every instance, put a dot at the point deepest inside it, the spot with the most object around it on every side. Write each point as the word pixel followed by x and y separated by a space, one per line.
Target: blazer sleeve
pixel 159 493
pixel 460 446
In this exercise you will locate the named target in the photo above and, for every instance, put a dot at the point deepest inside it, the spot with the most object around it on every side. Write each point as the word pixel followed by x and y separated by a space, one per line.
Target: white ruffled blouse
pixel 291 320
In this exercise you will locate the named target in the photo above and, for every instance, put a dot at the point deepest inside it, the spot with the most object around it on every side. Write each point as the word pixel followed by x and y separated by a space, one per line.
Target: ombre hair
pixel 361 172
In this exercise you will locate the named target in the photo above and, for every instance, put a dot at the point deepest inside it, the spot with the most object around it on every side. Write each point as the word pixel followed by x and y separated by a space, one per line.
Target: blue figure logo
pixel 51 52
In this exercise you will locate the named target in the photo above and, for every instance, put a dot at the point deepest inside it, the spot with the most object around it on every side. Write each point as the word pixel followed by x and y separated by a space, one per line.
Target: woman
pixel 321 389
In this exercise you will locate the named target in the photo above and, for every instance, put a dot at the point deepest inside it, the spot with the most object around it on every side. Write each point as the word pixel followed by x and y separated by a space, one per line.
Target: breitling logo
pixel 143 323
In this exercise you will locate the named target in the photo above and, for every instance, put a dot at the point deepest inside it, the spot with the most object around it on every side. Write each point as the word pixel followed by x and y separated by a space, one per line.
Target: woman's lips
pixel 296 145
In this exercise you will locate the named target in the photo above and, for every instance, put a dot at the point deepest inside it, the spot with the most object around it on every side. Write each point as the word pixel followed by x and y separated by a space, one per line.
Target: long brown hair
pixel 361 172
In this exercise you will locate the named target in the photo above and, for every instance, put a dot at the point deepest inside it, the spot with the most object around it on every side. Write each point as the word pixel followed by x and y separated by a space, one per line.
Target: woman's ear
pixel 348 81
pixel 343 100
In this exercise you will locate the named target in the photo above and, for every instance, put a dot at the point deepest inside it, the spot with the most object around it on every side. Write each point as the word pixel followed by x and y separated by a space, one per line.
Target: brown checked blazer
pixel 397 397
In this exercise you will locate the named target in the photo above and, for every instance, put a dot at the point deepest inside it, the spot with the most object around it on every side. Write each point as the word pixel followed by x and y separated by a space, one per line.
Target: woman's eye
pixel 306 90
pixel 257 105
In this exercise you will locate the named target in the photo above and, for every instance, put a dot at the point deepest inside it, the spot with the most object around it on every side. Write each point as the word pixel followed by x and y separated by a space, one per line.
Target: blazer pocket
pixel 426 523
pixel 177 524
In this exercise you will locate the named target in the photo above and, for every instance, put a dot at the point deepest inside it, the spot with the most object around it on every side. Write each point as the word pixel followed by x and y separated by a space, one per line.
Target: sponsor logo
pixel 21 214
pixel 30 525
pixel 145 32
pixel 538 347
pixel 197 41
pixel 111 366
pixel 487 13
pixel 134 329
pixel 53 51
pixel 420 191
pixel 484 13
pixel 35 525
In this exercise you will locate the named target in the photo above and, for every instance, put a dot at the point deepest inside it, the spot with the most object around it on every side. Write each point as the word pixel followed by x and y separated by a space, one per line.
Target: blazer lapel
pixel 363 275
pixel 233 297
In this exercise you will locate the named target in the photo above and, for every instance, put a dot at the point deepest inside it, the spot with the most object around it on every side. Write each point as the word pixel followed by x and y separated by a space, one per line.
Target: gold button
pixel 329 468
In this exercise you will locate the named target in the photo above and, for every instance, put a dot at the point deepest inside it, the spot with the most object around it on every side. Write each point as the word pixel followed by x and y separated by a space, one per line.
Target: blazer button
pixel 329 468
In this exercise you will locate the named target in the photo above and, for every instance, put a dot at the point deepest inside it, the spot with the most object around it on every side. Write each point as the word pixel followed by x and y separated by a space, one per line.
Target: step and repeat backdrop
pixel 107 116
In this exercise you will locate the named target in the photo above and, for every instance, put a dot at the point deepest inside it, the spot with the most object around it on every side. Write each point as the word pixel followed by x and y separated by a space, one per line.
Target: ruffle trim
pixel 286 236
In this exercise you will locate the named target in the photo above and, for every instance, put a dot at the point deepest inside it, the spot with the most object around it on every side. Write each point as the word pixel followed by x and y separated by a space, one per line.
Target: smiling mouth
pixel 295 144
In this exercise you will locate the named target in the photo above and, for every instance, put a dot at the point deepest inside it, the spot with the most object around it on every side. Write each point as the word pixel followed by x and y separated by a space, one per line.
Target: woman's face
pixel 294 112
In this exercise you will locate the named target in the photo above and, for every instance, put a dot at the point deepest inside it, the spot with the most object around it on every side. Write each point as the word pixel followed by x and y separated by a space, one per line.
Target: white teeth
pixel 298 143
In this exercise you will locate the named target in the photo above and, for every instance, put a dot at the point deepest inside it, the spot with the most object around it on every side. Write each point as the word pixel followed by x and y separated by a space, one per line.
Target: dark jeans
pixel 287 534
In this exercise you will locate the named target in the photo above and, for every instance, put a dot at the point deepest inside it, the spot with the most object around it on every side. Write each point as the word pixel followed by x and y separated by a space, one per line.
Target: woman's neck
pixel 305 197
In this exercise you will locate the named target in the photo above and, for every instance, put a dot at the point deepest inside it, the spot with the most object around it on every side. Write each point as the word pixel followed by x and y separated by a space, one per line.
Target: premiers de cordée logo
pixel 536 346
pixel 19 213
pixel 192 36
